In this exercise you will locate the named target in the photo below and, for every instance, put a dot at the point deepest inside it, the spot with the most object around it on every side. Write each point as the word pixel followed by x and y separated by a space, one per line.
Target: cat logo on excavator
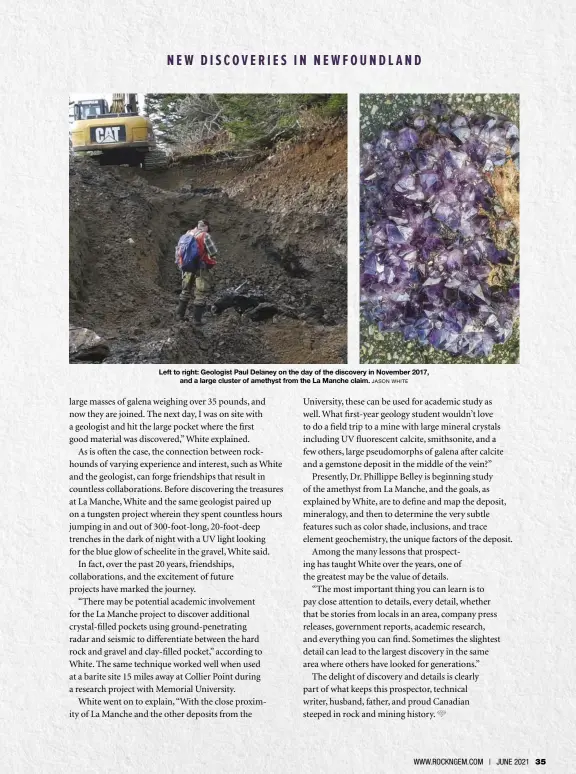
pixel 115 134
pixel 107 134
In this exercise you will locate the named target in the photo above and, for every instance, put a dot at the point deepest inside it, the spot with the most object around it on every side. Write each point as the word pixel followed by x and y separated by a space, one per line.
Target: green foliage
pixel 236 120
pixel 335 106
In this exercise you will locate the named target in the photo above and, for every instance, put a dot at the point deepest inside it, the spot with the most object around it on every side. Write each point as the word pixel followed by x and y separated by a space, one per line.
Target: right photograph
pixel 439 228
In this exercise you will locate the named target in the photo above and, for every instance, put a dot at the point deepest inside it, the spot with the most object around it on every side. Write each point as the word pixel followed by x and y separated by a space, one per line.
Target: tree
pixel 235 121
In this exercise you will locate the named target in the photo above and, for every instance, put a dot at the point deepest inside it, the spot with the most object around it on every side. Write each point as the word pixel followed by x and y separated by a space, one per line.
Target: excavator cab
pixel 90 108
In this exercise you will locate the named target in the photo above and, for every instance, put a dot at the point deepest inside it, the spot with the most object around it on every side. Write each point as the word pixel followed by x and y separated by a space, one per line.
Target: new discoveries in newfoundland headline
pixel 298 60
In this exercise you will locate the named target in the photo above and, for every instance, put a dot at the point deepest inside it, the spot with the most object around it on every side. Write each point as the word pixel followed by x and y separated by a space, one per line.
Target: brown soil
pixel 506 182
pixel 297 342
pixel 280 226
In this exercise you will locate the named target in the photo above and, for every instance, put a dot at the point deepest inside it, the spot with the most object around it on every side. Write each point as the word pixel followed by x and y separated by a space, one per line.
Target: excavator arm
pixel 124 103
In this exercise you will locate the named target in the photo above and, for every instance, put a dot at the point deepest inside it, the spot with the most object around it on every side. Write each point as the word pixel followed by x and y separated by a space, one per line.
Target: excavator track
pixel 154 160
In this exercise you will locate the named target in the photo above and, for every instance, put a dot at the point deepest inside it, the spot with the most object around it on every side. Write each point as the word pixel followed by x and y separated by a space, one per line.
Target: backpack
pixel 189 252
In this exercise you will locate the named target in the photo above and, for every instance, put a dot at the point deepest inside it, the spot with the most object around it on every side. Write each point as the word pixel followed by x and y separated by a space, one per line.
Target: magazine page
pixel 300 496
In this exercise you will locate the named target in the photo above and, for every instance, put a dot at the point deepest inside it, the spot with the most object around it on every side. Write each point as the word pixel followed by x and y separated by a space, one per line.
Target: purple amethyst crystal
pixel 407 139
pixel 434 257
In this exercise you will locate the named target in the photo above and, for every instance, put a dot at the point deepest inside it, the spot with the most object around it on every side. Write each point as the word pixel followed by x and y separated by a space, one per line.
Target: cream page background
pixel 526 703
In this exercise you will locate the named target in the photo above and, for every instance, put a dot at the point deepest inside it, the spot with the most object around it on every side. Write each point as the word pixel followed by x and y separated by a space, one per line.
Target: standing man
pixel 196 283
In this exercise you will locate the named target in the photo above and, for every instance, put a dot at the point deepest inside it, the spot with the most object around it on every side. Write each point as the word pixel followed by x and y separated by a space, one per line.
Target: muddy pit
pixel 280 226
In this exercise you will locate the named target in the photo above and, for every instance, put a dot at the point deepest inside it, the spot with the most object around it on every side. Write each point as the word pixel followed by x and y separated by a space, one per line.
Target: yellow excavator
pixel 115 134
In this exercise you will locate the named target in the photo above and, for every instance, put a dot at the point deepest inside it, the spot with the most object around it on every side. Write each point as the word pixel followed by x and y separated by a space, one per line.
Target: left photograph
pixel 207 228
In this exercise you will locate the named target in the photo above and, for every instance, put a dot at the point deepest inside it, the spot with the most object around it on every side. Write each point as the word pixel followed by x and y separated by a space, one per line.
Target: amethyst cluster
pixel 437 242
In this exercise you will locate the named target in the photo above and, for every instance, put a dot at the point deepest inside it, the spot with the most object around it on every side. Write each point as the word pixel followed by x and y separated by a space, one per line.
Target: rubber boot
pixel 181 311
pixel 199 310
